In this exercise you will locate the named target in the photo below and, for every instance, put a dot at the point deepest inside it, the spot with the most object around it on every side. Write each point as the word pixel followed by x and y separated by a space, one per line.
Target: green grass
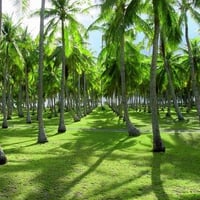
pixel 96 160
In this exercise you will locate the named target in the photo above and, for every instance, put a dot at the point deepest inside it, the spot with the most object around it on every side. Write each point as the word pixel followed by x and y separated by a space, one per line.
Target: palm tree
pixel 132 130
pixel 190 6
pixel 158 145
pixel 29 53
pixel 4 109
pixel 170 79
pixel 41 135
pixel 118 21
pixel 63 12
pixel 169 38
pixel 3 158
pixel 11 58
pixel 185 62
pixel 0 17
pixel 21 6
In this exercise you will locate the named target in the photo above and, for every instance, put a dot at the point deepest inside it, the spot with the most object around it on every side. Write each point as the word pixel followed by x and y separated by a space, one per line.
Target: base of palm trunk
pixel 61 129
pixel 181 119
pixel 42 141
pixel 20 115
pixel 76 118
pixel 3 159
pixel 133 131
pixel 4 125
pixel 28 119
pixel 42 138
pixel 168 115
pixel 9 117
pixel 158 146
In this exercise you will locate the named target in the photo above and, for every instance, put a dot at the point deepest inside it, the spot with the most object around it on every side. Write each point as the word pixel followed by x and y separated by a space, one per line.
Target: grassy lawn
pixel 96 160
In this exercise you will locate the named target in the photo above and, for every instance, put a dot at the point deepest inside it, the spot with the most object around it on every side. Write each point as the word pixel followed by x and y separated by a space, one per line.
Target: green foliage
pixel 97 160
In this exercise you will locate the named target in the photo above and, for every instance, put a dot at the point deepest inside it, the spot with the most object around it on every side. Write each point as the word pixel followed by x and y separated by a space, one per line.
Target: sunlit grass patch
pixel 96 159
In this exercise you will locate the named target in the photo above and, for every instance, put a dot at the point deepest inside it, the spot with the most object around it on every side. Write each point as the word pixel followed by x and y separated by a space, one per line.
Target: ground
pixel 97 160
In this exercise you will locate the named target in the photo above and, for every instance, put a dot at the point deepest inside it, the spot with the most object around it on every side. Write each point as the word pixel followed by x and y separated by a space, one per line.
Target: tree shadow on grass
pixel 103 119
pixel 68 163
pixel 157 183
pixel 166 124
pixel 54 166
pixel 7 187
pixel 97 163
pixel 181 164
pixel 50 178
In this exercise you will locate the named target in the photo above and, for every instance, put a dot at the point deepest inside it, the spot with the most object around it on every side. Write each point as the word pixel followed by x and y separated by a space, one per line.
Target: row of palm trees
pixel 165 35
pixel 69 76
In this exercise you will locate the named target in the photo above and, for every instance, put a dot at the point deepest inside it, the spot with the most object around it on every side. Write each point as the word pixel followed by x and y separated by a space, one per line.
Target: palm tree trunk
pixel 28 115
pixel 84 94
pixel 19 102
pixel 168 114
pixel 41 135
pixel 3 158
pixel 193 73
pixel 157 141
pixel 9 101
pixel 79 97
pixel 4 104
pixel 0 17
pixel 169 76
pixel 171 86
pixel 62 127
pixel 132 130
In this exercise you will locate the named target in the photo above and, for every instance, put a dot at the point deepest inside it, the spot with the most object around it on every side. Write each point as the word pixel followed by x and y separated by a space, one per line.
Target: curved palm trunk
pixel 28 115
pixel 3 158
pixel 157 141
pixel 41 135
pixel 193 73
pixel 132 130
pixel 19 102
pixel 62 127
pixel 171 86
pixel 4 103
pixel 9 101
pixel 84 94
pixel 79 97
pixel 168 114
pixel 169 76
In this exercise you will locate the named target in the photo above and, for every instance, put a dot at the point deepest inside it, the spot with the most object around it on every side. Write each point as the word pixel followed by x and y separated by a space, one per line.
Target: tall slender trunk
pixel 168 96
pixel 172 91
pixel 9 101
pixel 4 103
pixel 132 130
pixel 158 145
pixel 193 73
pixel 79 97
pixel 169 76
pixel 19 101
pixel 0 17
pixel 3 158
pixel 41 135
pixel 28 115
pixel 62 127
pixel 84 94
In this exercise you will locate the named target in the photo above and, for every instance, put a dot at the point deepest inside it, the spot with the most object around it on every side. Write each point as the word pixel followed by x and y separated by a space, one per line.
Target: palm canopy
pixel 65 10
pixel 10 42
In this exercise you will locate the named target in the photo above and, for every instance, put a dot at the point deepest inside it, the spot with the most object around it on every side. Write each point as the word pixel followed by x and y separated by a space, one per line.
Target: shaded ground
pixel 96 160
